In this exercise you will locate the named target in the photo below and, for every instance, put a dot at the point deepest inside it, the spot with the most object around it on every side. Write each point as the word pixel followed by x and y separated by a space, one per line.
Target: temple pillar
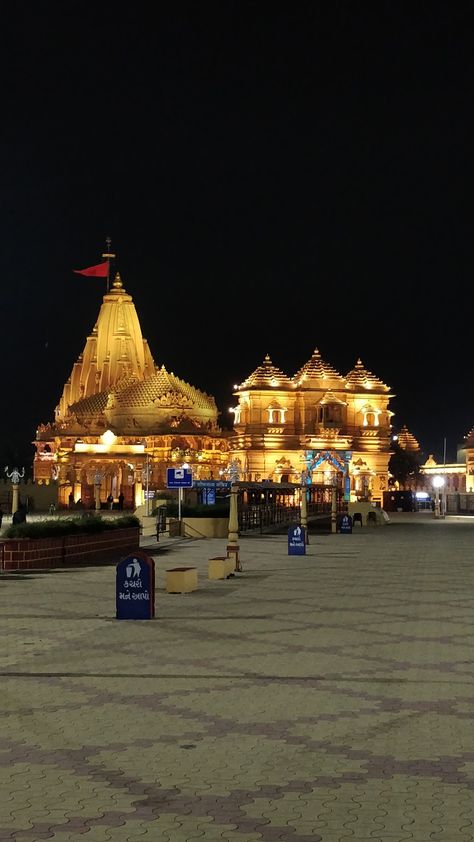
pixel 138 493
pixel 77 490
pixel 98 477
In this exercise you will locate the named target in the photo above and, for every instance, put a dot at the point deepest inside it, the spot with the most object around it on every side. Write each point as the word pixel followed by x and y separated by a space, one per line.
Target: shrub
pixel 57 527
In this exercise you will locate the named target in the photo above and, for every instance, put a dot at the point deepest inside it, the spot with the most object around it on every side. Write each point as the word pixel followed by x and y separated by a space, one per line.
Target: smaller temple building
pixel 318 425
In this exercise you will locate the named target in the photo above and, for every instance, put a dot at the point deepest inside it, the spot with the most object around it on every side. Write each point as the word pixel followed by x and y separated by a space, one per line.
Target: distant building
pixel 453 473
pixel 122 421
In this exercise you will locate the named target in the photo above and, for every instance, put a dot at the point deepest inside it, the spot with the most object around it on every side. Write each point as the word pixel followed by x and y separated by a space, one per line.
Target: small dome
pixel 360 379
pixel 407 440
pixel 266 376
pixel 317 369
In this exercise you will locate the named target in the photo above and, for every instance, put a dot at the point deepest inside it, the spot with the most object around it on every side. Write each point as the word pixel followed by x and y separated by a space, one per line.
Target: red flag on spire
pixel 99 271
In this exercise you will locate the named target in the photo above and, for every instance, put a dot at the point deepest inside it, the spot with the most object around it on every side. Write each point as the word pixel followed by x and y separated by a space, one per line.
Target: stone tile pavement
pixel 326 697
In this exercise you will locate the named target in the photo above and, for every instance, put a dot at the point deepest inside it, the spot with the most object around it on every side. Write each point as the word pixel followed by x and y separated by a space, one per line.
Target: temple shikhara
pixel 122 420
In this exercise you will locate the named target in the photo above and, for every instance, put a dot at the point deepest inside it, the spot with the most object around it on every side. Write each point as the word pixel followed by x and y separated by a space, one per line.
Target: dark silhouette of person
pixel 71 500
pixel 120 501
pixel 20 515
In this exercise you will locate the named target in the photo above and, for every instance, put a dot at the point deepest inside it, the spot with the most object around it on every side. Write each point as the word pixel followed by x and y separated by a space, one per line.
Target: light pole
pixel 147 485
pixel 233 534
pixel 15 475
pixel 438 483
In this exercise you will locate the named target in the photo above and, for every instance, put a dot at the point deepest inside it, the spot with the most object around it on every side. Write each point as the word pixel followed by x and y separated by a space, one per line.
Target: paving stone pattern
pixel 320 697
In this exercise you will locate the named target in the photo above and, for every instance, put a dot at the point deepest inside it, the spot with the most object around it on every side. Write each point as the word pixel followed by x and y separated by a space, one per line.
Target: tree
pixel 404 465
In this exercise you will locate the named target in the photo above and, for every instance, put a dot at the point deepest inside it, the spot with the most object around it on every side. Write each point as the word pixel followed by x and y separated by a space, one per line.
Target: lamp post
pixel 147 472
pixel 233 534
pixel 438 483
pixel 15 477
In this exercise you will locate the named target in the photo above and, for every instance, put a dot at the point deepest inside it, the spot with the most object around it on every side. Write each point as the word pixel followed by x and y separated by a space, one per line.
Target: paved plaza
pixel 320 697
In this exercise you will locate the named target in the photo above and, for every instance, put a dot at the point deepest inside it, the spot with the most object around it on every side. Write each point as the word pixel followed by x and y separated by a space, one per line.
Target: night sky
pixel 274 178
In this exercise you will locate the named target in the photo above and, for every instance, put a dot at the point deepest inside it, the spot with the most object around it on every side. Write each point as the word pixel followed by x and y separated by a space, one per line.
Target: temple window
pixel 371 418
pixel 329 413
pixel 276 415
pixel 237 410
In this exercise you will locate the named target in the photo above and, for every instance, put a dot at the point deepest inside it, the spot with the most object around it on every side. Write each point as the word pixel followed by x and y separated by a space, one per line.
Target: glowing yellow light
pixel 108 437
pixel 106 448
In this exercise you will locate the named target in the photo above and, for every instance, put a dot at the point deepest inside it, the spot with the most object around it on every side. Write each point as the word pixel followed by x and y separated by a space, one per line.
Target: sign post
pixel 179 478
pixel 135 588
pixel 297 540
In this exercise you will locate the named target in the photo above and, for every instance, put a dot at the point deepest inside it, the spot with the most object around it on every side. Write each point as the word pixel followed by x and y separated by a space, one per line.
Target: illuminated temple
pixel 122 420
pixel 317 424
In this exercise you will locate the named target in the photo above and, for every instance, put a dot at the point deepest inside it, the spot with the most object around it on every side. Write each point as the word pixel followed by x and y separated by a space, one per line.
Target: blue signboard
pixel 212 483
pixel 135 588
pixel 179 478
pixel 345 524
pixel 208 488
pixel 296 540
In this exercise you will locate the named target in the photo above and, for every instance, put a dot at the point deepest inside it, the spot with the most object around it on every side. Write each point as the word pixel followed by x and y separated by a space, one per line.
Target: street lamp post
pixel 15 475
pixel 438 483
pixel 147 483
pixel 233 534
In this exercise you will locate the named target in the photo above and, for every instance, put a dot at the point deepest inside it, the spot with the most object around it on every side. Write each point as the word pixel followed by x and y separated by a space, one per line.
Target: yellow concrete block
pixel 217 568
pixel 181 580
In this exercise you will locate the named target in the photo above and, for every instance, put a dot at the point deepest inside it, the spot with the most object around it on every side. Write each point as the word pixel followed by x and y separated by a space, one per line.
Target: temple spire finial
pixel 108 255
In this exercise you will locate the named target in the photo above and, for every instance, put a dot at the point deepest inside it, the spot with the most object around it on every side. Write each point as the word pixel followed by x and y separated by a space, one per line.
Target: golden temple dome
pixel 317 369
pixel 359 378
pixel 266 376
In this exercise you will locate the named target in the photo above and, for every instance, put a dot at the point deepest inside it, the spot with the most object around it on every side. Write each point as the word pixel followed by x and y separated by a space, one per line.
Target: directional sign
pixel 297 540
pixel 135 588
pixel 345 524
pixel 179 478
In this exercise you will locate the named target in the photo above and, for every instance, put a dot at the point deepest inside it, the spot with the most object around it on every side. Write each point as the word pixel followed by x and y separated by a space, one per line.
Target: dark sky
pixel 273 178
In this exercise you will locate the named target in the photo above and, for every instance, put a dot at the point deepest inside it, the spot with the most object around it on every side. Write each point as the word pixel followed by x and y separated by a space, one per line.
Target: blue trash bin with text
pixel 297 540
pixel 135 588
